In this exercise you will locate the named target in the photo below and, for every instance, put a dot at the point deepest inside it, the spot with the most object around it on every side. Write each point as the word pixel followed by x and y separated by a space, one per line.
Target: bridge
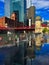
pixel 18 28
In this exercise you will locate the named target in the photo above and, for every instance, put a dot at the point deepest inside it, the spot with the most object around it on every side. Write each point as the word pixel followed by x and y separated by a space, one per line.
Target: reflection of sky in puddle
pixel 42 56
pixel 43 50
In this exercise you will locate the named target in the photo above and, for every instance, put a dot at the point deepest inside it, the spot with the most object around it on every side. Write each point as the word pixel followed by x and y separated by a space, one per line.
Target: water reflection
pixel 28 53
pixel 42 56
pixel 41 52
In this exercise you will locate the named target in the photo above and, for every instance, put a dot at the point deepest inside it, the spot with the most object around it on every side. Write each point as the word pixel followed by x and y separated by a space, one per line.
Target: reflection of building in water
pixel 47 37
pixel 38 39
pixel 38 31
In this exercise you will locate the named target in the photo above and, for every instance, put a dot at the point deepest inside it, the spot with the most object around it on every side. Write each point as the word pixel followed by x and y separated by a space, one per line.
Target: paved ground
pixel 41 60
pixel 42 56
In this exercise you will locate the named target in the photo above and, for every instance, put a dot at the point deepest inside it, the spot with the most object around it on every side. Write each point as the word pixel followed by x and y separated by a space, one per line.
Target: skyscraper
pixel 31 13
pixel 8 8
pixel 15 5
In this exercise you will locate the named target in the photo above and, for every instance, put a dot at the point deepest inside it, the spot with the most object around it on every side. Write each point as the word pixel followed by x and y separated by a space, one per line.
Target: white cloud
pixel 39 3
pixel 37 12
pixel 46 7
pixel 42 4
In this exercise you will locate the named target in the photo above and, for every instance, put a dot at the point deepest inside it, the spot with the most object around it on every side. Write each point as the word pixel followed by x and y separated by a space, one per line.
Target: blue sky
pixel 1 8
pixel 42 7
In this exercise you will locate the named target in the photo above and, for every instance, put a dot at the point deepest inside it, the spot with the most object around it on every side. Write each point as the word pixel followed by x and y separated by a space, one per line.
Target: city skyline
pixel 41 9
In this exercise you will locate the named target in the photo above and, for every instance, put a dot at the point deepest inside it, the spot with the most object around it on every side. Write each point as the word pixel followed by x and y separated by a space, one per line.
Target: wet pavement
pixel 41 60
pixel 42 56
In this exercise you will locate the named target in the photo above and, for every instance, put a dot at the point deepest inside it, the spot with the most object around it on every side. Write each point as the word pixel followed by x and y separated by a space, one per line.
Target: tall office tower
pixel 15 5
pixel 30 10
pixel 8 8
pixel 25 7
pixel 31 13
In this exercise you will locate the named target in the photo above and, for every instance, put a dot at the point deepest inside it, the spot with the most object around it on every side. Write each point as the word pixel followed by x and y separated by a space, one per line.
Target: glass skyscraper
pixel 15 5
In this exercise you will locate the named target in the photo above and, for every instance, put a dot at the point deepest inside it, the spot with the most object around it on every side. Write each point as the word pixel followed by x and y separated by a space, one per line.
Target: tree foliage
pixel 45 30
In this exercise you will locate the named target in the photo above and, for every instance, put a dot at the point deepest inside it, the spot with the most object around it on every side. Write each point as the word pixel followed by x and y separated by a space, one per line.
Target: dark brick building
pixel 4 21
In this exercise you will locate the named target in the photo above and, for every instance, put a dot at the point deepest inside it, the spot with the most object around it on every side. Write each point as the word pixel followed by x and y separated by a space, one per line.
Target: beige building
pixel 38 27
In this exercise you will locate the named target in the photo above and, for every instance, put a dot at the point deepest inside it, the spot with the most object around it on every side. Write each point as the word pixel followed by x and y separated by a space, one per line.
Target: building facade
pixel 38 27
pixel 31 13
pixel 15 5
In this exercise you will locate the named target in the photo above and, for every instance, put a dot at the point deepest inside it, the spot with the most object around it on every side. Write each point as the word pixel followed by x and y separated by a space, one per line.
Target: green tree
pixel 45 30
pixel 48 31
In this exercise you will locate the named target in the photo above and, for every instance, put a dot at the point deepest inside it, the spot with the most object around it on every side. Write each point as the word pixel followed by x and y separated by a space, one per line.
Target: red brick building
pixel 9 22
